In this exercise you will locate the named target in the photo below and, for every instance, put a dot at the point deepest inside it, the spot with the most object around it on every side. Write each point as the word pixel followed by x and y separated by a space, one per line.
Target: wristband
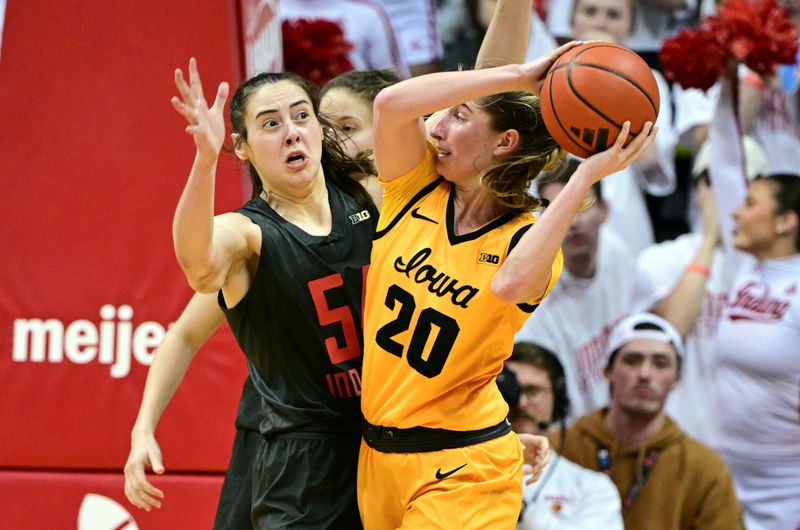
pixel 699 269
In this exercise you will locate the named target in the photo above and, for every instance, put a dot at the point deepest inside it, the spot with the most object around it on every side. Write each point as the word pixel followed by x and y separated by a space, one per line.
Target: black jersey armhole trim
pixel 450 221
pixel 221 301
pixel 416 198
pixel 527 308
pixel 250 210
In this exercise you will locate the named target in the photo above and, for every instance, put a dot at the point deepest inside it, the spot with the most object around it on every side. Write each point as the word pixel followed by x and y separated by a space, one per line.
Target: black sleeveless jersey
pixel 248 415
pixel 300 322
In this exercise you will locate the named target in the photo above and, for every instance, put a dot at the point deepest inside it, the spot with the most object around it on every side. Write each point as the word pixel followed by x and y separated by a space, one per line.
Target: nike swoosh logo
pixel 440 475
pixel 415 213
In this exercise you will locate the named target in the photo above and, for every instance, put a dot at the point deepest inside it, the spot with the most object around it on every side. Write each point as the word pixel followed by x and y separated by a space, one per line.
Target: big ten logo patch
pixel 360 216
pixel 488 258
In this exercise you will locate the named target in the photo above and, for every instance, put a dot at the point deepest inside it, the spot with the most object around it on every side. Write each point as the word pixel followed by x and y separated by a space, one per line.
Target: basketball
pixel 591 91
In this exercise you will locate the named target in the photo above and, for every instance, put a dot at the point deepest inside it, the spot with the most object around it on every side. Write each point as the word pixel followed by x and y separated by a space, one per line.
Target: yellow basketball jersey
pixel 435 334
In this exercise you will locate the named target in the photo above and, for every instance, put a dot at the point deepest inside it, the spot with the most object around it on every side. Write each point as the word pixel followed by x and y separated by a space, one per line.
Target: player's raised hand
pixel 145 452
pixel 206 124
pixel 535 453
pixel 536 70
pixel 708 209
pixel 619 156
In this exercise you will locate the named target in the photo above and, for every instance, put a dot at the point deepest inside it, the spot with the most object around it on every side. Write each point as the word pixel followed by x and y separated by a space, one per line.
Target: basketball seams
pixel 588 48
pixel 573 58
pixel 567 132
pixel 620 75
pixel 591 107
pixel 603 63
pixel 574 61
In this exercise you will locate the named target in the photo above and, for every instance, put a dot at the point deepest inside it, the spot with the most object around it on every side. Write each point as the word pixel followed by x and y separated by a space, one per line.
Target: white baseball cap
pixel 755 158
pixel 640 326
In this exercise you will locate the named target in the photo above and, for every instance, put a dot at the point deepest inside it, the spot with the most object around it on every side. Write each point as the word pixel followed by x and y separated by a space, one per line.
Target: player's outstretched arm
pixel 206 247
pixel 525 274
pixel 506 38
pixel 201 317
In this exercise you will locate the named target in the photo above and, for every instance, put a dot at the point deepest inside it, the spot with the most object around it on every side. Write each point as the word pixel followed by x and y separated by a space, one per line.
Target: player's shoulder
pixel 521 222
pixel 516 227
pixel 242 219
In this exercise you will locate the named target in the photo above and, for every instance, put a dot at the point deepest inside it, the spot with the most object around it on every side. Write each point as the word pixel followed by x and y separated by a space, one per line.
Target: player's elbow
pixel 203 281
pixel 512 290
pixel 387 103
pixel 506 288
pixel 199 271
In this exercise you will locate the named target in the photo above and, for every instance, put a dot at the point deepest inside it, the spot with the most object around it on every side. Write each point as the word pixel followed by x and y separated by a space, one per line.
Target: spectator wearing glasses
pixel 566 496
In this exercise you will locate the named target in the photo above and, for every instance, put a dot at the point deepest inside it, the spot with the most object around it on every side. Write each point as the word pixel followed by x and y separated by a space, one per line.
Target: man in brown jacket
pixel 666 480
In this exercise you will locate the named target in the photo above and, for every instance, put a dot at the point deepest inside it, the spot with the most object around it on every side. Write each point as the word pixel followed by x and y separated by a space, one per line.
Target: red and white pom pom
pixel 315 49
pixel 759 34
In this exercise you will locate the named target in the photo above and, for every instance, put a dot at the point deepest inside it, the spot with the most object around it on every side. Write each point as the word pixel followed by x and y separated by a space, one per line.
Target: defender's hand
pixel 206 125
pixel 145 452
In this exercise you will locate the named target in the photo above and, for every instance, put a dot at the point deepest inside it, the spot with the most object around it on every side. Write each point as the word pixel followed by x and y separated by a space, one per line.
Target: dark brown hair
pixel 339 168
pixel 786 190
pixel 364 83
pixel 562 175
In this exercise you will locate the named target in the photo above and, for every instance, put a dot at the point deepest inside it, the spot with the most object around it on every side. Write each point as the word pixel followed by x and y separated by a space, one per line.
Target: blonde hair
pixel 509 178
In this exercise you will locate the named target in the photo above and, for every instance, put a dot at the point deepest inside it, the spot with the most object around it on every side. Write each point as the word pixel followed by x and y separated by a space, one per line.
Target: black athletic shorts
pixel 236 499
pixel 306 481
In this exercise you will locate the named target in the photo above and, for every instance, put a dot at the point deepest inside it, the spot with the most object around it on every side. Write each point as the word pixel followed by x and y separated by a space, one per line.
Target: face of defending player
pixel 352 115
pixel 535 401
pixel 757 226
pixel 580 244
pixel 468 145
pixel 608 20
pixel 643 374
pixel 284 139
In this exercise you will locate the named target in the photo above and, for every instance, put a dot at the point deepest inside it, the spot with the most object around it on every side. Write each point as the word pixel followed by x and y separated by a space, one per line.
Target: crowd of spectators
pixel 669 350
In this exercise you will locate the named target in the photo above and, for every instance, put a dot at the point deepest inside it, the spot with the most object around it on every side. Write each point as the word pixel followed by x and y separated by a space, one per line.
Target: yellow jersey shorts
pixel 474 487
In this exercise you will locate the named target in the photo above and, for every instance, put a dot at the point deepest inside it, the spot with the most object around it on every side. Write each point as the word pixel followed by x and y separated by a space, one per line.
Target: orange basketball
pixel 591 91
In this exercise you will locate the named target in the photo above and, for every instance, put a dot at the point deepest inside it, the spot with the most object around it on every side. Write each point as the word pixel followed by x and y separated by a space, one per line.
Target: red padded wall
pixel 93 162
pixel 94 501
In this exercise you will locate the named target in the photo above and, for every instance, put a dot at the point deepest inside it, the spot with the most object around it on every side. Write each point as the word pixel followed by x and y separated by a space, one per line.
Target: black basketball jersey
pixel 300 322
pixel 248 416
